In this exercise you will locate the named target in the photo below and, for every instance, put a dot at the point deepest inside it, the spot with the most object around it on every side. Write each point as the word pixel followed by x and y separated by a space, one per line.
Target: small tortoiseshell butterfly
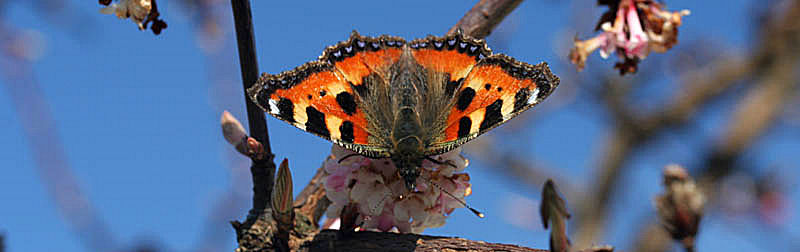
pixel 385 98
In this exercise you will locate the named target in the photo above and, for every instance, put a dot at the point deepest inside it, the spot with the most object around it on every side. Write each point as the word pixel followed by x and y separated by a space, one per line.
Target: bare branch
pixel 48 151
pixel 262 170
pixel 484 16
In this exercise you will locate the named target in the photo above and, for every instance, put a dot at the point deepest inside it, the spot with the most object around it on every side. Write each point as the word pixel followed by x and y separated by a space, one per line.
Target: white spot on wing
pixel 534 95
pixel 302 126
pixel 508 106
pixel 273 107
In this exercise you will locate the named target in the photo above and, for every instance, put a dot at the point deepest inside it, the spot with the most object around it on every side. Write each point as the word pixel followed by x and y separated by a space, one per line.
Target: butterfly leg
pixel 440 162
pixel 348 156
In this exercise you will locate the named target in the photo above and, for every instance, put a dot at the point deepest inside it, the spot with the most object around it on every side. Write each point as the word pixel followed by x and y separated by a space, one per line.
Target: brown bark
pixel 484 16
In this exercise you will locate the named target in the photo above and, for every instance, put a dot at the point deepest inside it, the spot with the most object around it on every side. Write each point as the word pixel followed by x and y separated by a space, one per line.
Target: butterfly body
pixel 385 98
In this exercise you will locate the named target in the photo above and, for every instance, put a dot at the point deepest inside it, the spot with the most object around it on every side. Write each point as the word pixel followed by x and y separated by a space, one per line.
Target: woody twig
pixel 479 21
pixel 263 168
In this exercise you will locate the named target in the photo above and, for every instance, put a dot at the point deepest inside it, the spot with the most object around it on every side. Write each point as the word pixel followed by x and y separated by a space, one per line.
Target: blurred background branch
pixel 769 72
pixel 18 50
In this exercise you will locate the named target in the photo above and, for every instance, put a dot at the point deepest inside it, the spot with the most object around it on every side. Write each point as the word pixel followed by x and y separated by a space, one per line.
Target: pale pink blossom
pixel 384 203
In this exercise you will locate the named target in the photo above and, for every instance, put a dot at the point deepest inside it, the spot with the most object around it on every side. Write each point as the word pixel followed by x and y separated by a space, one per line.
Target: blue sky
pixel 138 117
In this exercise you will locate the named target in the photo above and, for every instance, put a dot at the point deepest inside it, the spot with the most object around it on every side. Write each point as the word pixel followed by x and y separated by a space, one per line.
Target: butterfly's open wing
pixel 496 89
pixel 447 61
pixel 322 97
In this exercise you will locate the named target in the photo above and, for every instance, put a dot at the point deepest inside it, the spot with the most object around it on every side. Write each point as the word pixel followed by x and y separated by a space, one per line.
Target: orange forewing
pixel 358 66
pixel 501 85
pixel 453 54
pixel 452 62
pixel 318 90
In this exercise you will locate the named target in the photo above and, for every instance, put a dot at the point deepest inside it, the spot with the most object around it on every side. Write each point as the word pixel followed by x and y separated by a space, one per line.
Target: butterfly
pixel 383 97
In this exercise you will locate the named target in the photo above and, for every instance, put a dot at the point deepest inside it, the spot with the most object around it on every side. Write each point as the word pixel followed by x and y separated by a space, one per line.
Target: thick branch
pixel 312 203
pixel 328 240
pixel 484 16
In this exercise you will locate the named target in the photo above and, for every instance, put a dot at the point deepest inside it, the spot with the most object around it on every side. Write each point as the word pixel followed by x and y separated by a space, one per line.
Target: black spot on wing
pixel 346 130
pixel 361 90
pixel 262 99
pixel 487 86
pixel 346 102
pixel 493 115
pixel 316 122
pixel 451 86
pixel 521 99
pixel 464 124
pixel 465 98
pixel 286 110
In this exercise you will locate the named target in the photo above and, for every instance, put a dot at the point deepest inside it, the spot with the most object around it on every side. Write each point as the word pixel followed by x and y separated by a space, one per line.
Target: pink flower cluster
pixel 638 27
pixel 380 195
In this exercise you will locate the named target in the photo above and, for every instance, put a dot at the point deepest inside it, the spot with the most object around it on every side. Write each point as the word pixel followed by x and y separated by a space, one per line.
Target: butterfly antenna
pixel 348 156
pixel 375 207
pixel 474 211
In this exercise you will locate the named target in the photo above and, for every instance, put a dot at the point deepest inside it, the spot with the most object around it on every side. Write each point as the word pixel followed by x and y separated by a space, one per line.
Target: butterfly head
pixel 407 157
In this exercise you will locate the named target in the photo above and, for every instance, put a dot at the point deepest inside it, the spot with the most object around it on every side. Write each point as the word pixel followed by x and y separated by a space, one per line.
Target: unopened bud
pixel 553 210
pixel 232 129
pixel 234 133
pixel 282 210
pixel 680 207
pixel 599 248
pixel 282 193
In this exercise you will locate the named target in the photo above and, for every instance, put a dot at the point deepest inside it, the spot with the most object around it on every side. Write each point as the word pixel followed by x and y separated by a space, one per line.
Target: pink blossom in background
pixel 638 27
